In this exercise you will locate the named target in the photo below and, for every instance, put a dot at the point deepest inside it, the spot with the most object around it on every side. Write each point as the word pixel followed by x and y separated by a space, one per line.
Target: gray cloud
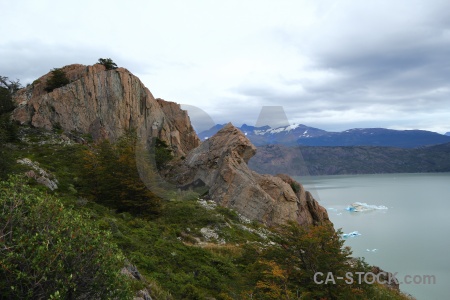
pixel 398 71
pixel 330 64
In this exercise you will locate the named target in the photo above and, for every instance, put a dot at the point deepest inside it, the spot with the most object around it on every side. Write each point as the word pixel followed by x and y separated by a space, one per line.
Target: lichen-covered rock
pixel 105 104
pixel 42 177
pixel 133 273
pixel 221 163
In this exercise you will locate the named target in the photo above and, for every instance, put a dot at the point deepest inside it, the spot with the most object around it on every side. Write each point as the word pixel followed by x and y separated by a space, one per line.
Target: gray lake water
pixel 411 237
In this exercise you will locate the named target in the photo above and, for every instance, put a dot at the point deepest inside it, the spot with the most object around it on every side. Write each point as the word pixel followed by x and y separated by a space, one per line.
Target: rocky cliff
pixel 221 164
pixel 105 104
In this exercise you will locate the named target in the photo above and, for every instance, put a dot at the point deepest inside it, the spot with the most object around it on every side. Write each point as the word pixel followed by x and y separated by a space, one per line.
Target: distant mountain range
pixel 302 135
pixel 332 160
pixel 447 133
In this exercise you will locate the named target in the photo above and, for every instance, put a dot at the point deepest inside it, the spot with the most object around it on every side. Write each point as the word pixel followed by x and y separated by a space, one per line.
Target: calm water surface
pixel 412 236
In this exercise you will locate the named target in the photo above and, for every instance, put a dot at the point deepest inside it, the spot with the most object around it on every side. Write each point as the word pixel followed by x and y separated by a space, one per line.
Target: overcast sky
pixel 334 65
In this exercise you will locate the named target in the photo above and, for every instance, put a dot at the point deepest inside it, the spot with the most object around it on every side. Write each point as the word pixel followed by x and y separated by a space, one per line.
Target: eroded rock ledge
pixel 221 163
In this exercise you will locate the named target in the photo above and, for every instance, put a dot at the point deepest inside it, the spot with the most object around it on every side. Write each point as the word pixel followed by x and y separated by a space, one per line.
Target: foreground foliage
pixel 50 251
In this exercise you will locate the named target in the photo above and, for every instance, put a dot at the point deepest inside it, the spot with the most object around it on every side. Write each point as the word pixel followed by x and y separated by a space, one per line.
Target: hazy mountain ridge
pixel 378 137
pixel 299 134
pixel 306 160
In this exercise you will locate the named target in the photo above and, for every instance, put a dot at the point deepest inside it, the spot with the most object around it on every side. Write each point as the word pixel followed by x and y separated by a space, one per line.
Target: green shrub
pixel 50 251
pixel 8 134
pixel 163 154
pixel 110 177
pixel 295 187
pixel 190 292
pixel 57 79
pixel 108 63
pixel 8 130
pixel 6 103
pixel 6 162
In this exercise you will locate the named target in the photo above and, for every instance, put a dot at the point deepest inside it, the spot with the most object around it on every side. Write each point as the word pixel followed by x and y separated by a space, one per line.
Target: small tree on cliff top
pixel 108 63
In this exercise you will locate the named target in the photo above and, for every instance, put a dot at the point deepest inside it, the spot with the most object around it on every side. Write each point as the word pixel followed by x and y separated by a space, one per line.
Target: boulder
pixel 40 175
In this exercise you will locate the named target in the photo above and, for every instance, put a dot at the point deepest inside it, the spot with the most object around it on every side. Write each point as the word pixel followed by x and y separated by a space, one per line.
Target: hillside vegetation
pixel 183 247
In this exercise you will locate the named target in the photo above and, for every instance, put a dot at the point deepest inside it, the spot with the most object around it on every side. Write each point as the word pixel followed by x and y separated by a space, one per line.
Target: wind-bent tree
pixel 108 63
pixel 12 86
pixel 7 89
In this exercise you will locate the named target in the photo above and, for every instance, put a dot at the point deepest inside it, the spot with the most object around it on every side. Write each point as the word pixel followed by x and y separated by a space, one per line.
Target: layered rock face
pixel 105 104
pixel 221 163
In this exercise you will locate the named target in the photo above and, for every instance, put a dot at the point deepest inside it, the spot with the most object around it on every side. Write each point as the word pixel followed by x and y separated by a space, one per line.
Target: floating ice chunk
pixel 371 206
pixel 373 250
pixel 351 234
pixel 360 206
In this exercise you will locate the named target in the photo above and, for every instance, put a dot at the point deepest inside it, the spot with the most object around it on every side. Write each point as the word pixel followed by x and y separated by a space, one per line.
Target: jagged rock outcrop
pixel 133 273
pixel 105 104
pixel 40 175
pixel 221 163
pixel 180 120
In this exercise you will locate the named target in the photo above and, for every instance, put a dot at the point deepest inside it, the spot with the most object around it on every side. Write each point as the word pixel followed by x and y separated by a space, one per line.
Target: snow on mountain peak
pixel 292 127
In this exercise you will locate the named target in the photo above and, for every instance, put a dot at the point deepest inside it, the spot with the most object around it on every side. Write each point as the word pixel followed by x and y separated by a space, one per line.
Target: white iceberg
pixel 351 234
pixel 360 206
